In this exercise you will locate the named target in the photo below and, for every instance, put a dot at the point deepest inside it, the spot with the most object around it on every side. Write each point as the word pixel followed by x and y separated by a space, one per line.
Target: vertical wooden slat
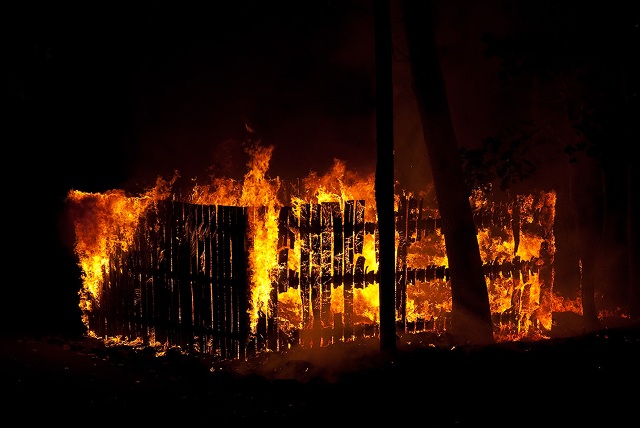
pixel 294 224
pixel 204 273
pixel 338 244
pixel 194 271
pixel 144 272
pixel 224 265
pixel 349 218
pixel 358 244
pixel 177 244
pixel 316 294
pixel 240 283
pixel 419 221
pixel 223 296
pixel 186 293
pixel 402 226
pixel 284 244
pixel 358 227
pixel 216 279
pixel 338 264
pixel 163 282
pixel 326 241
pixel 130 329
pixel 305 263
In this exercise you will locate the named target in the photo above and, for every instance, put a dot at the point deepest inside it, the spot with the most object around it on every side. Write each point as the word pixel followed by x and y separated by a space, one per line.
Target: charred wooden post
pixel 358 227
pixel 176 284
pixel 338 262
pixel 402 228
pixel 349 219
pixel 184 275
pixel 161 281
pixel 281 279
pixel 419 221
pixel 305 263
pixel 316 292
pixel 193 224
pixel 338 244
pixel 326 237
pixel 236 280
pixel 285 242
pixel 206 275
pixel 358 245
pixel 261 332
pixel 338 328
pixel 358 273
pixel 413 217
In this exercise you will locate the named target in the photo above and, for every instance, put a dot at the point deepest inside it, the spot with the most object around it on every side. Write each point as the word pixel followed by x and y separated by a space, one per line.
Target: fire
pixel 515 240
pixel 105 223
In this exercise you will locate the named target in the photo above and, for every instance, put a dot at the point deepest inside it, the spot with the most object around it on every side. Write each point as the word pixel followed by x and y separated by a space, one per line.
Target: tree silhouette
pixel 471 313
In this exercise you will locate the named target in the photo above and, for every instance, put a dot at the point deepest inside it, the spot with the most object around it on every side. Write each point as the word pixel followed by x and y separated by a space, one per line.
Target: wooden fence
pixel 185 280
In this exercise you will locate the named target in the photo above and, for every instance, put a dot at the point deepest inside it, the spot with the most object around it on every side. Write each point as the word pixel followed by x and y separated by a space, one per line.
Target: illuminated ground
pixel 584 378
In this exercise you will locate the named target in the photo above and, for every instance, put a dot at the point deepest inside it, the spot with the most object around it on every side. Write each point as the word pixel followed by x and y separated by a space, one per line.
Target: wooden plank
pixel 419 221
pixel 186 284
pixel 128 295
pixel 205 275
pixel 193 227
pixel 163 293
pixel 231 299
pixel 272 318
pixel 284 245
pixel 241 284
pixel 326 253
pixel 401 258
pixel 338 244
pixel 224 273
pixel 316 293
pixel 305 263
pixel 358 226
pixel 294 226
pixel 173 291
pixel 142 243
pixel 217 293
pixel 413 214
pixel 349 219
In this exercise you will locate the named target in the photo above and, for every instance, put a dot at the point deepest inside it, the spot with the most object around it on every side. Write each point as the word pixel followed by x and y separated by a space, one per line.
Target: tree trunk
pixel 384 186
pixel 633 214
pixel 471 312
pixel 587 204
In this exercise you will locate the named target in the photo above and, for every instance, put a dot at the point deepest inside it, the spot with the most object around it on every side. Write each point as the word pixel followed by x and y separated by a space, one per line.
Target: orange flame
pixel 106 222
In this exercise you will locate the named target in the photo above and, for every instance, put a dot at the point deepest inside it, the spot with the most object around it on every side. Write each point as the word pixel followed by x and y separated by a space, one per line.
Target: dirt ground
pixel 586 378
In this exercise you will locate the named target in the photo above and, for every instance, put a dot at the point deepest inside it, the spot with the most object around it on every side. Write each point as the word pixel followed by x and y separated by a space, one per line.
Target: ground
pixel 583 378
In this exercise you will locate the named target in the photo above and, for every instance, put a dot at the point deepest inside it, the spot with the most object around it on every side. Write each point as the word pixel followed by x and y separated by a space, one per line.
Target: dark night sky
pixel 120 95
pixel 106 96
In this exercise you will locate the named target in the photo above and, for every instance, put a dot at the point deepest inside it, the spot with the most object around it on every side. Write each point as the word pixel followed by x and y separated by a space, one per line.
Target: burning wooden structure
pixel 185 278
pixel 182 281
